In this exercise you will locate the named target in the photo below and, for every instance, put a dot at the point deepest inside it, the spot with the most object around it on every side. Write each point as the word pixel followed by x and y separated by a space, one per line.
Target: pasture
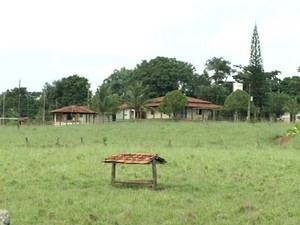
pixel 216 173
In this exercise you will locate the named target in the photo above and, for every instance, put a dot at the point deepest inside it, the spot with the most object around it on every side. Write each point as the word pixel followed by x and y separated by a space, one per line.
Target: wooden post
pixel 154 173
pixel 113 173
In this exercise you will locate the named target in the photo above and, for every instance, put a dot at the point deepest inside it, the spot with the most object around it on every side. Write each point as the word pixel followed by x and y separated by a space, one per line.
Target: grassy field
pixel 216 173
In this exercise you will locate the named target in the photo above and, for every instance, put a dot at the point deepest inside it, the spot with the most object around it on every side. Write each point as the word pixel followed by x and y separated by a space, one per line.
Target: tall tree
pixel 136 98
pixel 163 75
pixel 105 102
pixel 255 81
pixel 68 91
pixel 119 81
pixel 220 67
pixel 255 54
pixel 292 106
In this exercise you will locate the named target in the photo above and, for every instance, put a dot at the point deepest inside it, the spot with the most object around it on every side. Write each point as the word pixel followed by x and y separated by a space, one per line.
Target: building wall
pixel 65 119
pixel 125 114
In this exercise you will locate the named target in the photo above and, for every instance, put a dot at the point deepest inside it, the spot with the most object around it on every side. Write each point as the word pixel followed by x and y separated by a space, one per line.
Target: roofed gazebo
pixel 73 114
pixel 138 159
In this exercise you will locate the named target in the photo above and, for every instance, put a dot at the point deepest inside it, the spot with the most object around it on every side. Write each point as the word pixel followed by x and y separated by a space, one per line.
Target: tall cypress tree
pixel 255 55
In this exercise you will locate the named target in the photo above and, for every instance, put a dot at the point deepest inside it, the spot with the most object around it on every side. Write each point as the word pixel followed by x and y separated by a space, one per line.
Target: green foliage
pixel 292 106
pixel 72 90
pixel 119 81
pixel 294 130
pixel 276 103
pixel 20 102
pixel 237 102
pixel 173 103
pixel 163 75
pixel 221 68
pixel 291 86
pixel 136 98
pixel 105 102
pixel 255 54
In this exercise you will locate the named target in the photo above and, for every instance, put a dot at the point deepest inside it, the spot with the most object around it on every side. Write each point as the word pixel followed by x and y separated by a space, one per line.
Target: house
pixel 73 114
pixel 196 109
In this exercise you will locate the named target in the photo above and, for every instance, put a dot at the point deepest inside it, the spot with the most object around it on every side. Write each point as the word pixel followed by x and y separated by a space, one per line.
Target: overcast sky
pixel 45 40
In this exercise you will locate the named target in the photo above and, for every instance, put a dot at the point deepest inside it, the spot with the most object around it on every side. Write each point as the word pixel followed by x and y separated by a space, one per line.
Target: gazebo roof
pixel 134 158
pixel 74 109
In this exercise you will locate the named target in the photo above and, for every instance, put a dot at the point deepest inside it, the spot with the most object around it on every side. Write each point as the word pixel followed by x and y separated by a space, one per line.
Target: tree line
pixel 264 95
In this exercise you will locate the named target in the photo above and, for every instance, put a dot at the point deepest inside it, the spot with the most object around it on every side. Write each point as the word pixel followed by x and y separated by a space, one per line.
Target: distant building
pixel 196 109
pixel 73 114
pixel 237 86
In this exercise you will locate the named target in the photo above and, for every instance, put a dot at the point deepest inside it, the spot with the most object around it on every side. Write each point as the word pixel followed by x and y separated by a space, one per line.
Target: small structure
pixel 73 114
pixel 135 158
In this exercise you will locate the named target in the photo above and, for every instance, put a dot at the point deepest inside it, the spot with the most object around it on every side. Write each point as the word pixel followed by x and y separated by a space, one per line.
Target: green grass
pixel 217 173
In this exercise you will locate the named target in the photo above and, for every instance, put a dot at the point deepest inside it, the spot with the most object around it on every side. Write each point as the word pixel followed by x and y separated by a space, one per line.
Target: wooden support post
pixel 154 173
pixel 113 173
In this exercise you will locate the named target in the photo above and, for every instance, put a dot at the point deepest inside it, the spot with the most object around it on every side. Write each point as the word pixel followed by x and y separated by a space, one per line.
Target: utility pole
pixel 44 106
pixel 3 112
pixel 249 103
pixel 19 103
pixel 88 96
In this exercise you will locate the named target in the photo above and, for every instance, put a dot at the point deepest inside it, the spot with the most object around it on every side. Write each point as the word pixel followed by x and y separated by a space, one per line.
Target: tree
pixel 291 86
pixel 237 102
pixel 119 81
pixel 257 82
pixel 276 103
pixel 255 54
pixel 292 106
pixel 136 98
pixel 163 75
pixel 105 102
pixel 72 90
pixel 221 68
pixel 173 103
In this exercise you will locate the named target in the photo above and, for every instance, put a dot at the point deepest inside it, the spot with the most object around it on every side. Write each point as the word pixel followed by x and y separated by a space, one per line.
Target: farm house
pixel 196 110
pixel 73 114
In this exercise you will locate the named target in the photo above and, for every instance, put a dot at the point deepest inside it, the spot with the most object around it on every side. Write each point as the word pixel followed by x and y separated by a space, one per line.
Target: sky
pixel 42 41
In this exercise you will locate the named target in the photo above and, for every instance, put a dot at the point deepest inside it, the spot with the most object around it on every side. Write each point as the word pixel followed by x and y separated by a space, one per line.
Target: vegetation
pixel 237 102
pixel 237 175
pixel 173 103
pixel 160 76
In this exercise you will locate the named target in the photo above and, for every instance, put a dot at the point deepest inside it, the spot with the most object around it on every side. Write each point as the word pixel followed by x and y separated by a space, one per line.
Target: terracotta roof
pixel 192 103
pixel 134 158
pixel 74 109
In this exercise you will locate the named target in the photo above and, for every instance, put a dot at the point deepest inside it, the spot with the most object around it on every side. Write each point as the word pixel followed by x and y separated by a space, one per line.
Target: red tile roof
pixel 134 158
pixel 192 103
pixel 74 109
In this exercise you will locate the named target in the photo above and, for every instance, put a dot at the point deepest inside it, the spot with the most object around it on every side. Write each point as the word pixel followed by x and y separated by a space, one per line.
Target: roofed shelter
pixel 196 109
pixel 73 114
pixel 138 159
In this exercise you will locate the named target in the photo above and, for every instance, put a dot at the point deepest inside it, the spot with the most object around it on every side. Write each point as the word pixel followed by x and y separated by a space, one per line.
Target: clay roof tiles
pixel 134 158
pixel 74 109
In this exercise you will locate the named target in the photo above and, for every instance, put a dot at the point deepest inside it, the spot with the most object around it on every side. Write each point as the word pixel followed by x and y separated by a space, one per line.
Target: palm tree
pixel 136 98
pixel 106 102
pixel 221 69
pixel 292 106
